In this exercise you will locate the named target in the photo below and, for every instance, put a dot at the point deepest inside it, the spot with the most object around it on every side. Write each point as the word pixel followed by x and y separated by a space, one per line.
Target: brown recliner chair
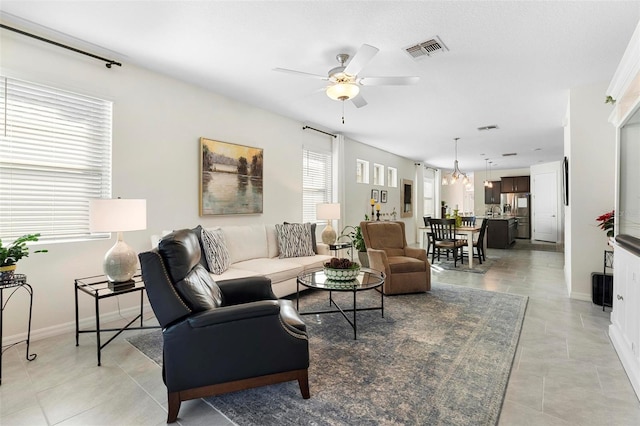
pixel 407 269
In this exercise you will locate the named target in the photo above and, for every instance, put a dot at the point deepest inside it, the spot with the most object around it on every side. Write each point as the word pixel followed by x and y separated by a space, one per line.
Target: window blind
pixel 55 154
pixel 316 183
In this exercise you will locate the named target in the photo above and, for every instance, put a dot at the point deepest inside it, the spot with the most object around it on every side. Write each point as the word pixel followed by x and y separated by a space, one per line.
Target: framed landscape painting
pixel 230 178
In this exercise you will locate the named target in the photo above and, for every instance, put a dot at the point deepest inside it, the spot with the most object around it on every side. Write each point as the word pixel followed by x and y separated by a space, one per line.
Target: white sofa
pixel 253 250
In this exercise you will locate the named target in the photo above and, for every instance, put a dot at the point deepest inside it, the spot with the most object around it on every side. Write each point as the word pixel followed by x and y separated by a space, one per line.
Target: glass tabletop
pixel 366 279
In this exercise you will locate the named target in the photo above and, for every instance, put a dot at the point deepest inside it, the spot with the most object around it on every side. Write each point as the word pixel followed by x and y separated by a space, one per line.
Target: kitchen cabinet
pixel 492 195
pixel 515 184
pixel 624 330
pixel 501 233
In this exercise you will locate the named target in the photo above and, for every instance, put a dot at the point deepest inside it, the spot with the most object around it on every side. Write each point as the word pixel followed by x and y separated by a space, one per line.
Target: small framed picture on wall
pixel 375 195
pixel 383 196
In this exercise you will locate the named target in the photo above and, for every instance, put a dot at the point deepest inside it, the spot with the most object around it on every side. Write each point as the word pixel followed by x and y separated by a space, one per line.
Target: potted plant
pixel 10 254
pixel 354 233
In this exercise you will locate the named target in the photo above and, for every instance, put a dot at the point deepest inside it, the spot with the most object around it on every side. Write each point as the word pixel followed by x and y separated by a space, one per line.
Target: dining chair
pixel 478 244
pixel 443 232
pixel 468 221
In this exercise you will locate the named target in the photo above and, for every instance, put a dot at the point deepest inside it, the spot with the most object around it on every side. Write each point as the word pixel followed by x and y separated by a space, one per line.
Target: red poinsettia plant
pixel 605 222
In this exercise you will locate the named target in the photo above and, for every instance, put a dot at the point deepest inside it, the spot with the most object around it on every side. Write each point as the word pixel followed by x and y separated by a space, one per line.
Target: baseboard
pixel 586 297
pixel 70 327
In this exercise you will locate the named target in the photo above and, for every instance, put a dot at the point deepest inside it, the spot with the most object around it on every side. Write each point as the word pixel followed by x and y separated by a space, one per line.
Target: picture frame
pixel 383 196
pixel 375 195
pixel 231 178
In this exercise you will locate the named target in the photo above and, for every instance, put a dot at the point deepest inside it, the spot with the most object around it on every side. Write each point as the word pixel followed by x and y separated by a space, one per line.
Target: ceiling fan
pixel 344 82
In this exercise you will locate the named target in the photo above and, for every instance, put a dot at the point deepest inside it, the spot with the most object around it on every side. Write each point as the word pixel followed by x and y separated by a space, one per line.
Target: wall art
pixel 230 178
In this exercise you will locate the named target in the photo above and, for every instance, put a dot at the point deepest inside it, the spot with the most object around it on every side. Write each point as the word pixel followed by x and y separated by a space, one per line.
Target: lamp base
pixel 120 262
pixel 328 235
pixel 113 286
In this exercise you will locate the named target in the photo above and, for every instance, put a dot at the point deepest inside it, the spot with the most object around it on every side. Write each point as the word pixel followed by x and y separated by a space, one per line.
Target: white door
pixel 545 207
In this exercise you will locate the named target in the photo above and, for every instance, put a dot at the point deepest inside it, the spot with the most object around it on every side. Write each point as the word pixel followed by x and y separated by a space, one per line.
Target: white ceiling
pixel 509 63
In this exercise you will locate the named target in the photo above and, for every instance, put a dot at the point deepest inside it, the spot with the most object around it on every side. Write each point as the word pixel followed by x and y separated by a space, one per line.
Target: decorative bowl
pixel 342 274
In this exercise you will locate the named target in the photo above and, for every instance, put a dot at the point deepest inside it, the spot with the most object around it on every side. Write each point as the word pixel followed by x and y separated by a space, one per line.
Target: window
pixel 362 171
pixel 56 155
pixel 378 174
pixel 316 183
pixel 429 206
pixel 392 177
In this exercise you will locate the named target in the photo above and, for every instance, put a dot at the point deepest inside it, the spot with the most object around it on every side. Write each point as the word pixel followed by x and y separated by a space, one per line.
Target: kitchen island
pixel 502 231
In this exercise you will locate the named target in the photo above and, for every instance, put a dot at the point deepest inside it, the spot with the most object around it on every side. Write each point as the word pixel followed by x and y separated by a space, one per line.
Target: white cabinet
pixel 624 330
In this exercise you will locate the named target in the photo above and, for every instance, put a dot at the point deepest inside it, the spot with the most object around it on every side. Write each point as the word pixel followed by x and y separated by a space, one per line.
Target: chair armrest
pixel 416 253
pixel 323 248
pixel 247 289
pixel 225 314
pixel 378 261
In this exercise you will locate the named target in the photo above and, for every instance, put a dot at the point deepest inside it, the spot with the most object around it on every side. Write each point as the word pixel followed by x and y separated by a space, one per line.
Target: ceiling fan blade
pixel 359 101
pixel 301 73
pixel 360 59
pixel 388 81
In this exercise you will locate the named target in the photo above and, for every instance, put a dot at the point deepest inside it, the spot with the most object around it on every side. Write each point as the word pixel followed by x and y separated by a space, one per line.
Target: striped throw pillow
pixel 294 240
pixel 215 250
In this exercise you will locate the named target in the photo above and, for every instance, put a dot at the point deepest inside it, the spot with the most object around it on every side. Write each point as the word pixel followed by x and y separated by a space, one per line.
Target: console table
pixel 99 288
pixel 19 281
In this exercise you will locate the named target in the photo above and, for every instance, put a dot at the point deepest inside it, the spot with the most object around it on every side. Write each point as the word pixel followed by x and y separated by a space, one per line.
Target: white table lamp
pixel 328 212
pixel 117 215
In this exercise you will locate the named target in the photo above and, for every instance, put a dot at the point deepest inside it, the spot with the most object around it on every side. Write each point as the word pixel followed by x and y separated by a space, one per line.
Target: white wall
pixel 359 195
pixel 157 125
pixel 590 148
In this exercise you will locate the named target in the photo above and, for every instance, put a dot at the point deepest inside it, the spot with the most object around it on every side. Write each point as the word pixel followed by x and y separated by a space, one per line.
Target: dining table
pixel 466 232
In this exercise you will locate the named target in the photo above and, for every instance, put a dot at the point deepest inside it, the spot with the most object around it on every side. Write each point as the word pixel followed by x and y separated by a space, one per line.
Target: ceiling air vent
pixel 509 154
pixel 426 48
pixel 489 127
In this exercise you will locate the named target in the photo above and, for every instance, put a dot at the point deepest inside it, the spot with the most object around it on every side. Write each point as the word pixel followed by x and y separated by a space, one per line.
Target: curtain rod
pixel 319 131
pixel 108 64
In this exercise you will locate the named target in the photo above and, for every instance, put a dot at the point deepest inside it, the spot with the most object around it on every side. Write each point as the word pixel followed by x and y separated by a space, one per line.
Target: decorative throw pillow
pixel 313 237
pixel 215 251
pixel 203 259
pixel 294 240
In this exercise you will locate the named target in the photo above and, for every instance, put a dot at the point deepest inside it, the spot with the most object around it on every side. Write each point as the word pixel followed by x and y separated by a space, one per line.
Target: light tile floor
pixel 566 371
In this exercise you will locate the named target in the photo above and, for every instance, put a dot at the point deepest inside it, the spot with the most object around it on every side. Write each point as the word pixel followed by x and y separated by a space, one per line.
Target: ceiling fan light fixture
pixel 343 91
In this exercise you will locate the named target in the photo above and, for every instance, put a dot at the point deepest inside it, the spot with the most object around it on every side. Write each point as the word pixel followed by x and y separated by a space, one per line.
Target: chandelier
pixel 457 173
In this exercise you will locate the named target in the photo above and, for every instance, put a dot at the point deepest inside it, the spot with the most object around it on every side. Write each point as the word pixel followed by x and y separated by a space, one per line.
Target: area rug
pixel 439 358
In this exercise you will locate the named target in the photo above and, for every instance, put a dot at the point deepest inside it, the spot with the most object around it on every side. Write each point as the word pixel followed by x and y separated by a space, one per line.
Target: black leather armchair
pixel 219 337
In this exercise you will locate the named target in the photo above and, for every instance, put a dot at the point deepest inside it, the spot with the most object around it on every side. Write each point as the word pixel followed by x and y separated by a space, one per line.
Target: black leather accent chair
pixel 219 337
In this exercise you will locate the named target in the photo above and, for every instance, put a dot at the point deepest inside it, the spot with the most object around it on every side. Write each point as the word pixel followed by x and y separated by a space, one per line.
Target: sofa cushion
pixel 272 241
pixel 245 242
pixel 294 240
pixel 276 269
pixel 402 264
pixel 215 250
pixel 309 262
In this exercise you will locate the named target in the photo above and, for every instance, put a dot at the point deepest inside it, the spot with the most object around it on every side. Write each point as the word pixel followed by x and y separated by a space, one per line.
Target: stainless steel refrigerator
pixel 518 205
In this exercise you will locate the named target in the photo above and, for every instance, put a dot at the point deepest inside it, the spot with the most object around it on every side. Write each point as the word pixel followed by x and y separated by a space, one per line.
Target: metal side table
pixel 99 288
pixel 19 281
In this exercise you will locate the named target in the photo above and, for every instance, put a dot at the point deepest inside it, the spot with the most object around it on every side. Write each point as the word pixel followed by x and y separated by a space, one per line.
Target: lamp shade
pixel 343 91
pixel 117 215
pixel 328 211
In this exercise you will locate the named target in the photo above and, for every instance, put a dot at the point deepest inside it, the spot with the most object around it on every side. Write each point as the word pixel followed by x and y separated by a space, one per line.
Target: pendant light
pixel 486 173
pixel 457 173
pixel 490 181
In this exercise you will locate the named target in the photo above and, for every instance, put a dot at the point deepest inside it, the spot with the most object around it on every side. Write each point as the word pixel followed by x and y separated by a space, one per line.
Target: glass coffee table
pixel 367 279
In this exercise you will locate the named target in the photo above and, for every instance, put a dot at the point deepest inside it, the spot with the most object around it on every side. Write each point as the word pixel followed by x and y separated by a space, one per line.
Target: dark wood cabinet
pixel 492 195
pixel 501 233
pixel 515 184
